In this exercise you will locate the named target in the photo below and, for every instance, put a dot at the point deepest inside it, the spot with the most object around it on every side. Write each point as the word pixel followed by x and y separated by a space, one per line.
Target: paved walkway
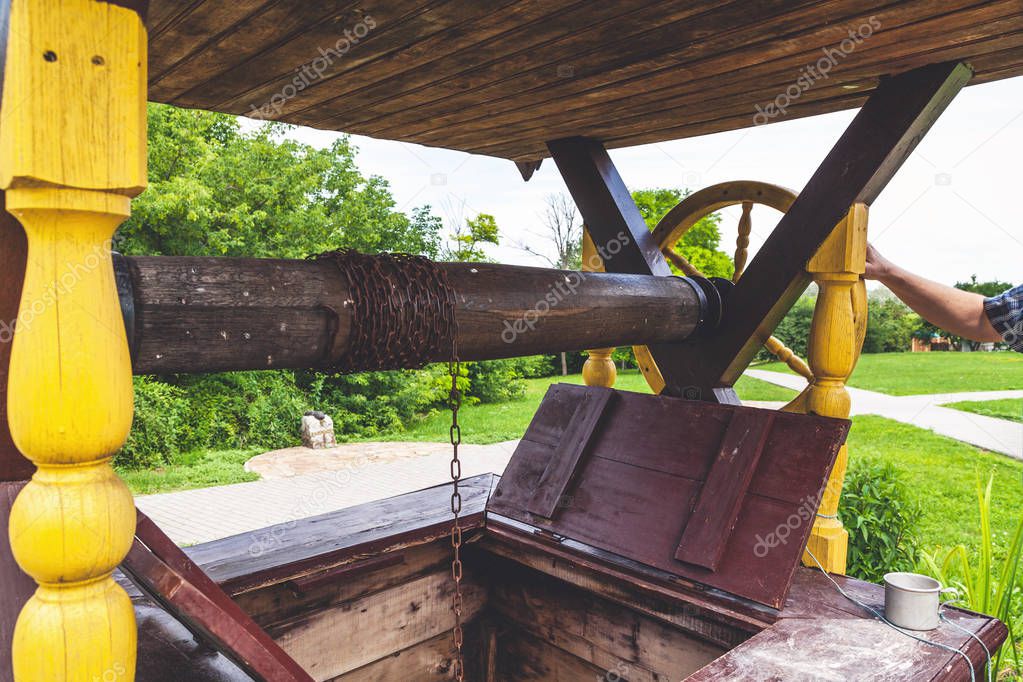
pixel 347 475
pixel 298 482
pixel 925 411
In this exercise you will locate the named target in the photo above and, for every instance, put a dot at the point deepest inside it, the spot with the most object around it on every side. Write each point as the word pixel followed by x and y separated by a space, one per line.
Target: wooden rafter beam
pixel 866 157
pixel 620 235
pixel 880 138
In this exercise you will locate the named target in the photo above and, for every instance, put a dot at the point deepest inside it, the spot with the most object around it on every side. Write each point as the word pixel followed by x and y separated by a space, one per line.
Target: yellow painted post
pixel 836 337
pixel 72 154
pixel 599 369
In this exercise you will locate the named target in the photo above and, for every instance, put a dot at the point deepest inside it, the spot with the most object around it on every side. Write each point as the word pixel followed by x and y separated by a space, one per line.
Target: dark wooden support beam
pixel 621 237
pixel 884 133
pixel 611 216
pixel 862 162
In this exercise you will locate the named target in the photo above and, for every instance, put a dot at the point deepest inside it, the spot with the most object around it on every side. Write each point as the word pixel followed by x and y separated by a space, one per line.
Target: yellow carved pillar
pixel 599 369
pixel 836 337
pixel 72 154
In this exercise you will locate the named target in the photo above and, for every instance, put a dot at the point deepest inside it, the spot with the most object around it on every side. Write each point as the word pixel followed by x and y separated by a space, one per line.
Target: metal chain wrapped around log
pixel 353 312
pixel 402 311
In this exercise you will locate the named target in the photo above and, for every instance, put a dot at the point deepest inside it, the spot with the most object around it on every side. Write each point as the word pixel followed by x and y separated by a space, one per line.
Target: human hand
pixel 877 267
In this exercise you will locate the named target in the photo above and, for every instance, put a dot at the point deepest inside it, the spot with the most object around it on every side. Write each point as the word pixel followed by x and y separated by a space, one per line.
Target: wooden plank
pixel 525 657
pixel 710 525
pixel 279 553
pixel 428 661
pixel 562 468
pixel 158 567
pixel 600 632
pixel 868 154
pixel 764 55
pixel 332 642
pixel 637 491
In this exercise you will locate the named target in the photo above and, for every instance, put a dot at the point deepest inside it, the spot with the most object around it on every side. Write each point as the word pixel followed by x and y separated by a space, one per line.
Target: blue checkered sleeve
pixel 1006 314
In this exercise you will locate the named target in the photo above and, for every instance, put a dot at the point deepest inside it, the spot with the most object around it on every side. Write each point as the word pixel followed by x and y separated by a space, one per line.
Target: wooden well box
pixel 631 537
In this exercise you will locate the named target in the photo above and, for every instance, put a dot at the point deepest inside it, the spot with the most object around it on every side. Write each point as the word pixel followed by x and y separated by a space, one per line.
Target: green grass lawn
pixel 941 473
pixel 1010 408
pixel 200 469
pixel 485 424
pixel 920 373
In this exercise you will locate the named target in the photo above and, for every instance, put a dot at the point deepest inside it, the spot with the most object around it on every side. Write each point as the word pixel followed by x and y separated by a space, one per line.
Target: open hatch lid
pixel 720 495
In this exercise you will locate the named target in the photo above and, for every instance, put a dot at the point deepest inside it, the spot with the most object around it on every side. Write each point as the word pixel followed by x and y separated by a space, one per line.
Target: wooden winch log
pixel 186 314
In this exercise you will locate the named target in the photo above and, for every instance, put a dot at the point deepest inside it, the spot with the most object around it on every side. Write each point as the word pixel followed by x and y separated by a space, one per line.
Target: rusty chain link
pixel 455 432
pixel 402 311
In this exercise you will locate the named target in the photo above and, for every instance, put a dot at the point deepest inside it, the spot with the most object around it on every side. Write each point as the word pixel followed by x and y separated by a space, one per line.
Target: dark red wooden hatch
pixel 720 495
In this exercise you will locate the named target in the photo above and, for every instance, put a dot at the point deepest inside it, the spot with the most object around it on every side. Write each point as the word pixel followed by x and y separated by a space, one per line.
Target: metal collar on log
pixel 712 294
pixel 402 311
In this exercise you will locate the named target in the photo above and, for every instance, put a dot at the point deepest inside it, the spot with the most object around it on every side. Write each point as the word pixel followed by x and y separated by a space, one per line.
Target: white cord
pixel 969 664
pixel 987 652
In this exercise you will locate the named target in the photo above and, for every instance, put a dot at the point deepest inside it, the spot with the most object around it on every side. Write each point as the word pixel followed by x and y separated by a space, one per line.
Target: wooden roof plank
pixel 255 79
pixel 277 23
pixel 544 48
pixel 490 38
pixel 620 49
pixel 719 54
pixel 484 78
pixel 564 115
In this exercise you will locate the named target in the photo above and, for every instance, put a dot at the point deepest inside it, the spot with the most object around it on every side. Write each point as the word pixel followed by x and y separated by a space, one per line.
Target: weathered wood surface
pixel 207 314
pixel 158 567
pixel 568 455
pixel 578 621
pixel 15 586
pixel 873 147
pixel 836 638
pixel 506 78
pixel 279 553
pixel 559 610
pixel 721 498
pixel 636 493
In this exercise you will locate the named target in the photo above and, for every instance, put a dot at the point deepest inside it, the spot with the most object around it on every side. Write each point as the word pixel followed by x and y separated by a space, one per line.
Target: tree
pixel 216 191
pixel 563 228
pixel 926 330
pixel 700 244
pixel 469 238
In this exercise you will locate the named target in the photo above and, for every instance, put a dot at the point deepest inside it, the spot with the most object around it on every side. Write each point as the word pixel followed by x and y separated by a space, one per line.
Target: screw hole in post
pixel 98 60
pixel 50 56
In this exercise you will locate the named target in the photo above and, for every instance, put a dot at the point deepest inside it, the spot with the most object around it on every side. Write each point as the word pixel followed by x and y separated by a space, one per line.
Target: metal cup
pixel 911 600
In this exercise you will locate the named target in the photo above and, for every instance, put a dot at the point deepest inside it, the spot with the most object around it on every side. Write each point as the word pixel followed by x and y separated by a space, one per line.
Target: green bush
pixel 159 414
pixel 881 521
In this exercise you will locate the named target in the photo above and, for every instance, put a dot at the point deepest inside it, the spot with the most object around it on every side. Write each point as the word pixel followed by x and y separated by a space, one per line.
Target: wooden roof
pixel 502 77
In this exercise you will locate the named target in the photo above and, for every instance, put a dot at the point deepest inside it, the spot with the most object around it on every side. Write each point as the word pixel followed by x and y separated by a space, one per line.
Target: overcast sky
pixel 954 209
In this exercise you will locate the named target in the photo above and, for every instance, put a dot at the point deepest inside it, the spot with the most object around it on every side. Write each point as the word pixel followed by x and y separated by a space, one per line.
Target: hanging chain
pixel 455 401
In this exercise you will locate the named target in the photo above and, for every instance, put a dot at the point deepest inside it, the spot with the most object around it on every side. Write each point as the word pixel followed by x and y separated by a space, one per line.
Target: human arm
pixel 954 310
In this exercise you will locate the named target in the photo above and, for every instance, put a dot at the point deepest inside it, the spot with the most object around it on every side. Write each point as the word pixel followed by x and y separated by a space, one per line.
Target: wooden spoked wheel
pixel 690 211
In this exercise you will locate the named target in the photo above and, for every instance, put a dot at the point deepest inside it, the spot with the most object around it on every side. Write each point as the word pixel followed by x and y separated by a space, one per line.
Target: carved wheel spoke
pixel 688 213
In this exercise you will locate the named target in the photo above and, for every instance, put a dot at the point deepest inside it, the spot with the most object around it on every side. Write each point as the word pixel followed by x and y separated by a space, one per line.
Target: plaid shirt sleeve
pixel 1006 314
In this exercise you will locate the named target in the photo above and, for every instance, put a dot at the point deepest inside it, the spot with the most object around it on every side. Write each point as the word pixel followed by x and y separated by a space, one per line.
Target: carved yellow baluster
pixel 836 337
pixel 72 154
pixel 599 369
pixel 742 241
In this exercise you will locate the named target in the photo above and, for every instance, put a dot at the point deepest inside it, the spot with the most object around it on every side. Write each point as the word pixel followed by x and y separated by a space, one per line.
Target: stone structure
pixel 317 430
